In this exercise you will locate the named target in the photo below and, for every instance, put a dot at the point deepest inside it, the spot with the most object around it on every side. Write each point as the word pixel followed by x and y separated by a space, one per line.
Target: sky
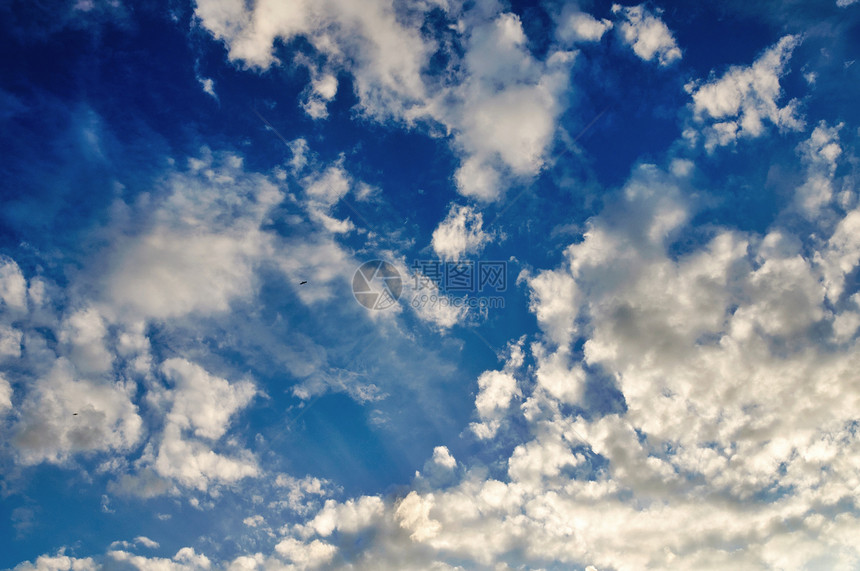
pixel 429 284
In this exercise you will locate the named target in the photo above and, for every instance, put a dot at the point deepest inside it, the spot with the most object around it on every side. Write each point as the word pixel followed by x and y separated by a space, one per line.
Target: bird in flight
pixel 303 283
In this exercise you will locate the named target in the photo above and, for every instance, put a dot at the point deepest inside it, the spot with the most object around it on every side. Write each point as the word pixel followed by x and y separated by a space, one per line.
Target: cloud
pixel 646 33
pixel 84 332
pixel 306 555
pixel 200 406
pixel 820 154
pixel 301 491
pixel 460 233
pixel 496 393
pixel 13 287
pixel 499 103
pixel 375 41
pixel 737 104
pixel 139 540
pixel 198 249
pixel 322 192
pixel 59 562
pixel 186 559
pixel 10 342
pixel 319 93
pixel 433 305
pixel 577 26
pixel 64 413
pixel 712 446
pixel 203 403
pixel 208 86
pixel 5 395
pixel 506 108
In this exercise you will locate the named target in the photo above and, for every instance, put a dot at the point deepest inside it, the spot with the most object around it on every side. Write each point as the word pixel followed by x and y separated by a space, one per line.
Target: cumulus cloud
pixel 507 107
pixel 575 26
pixel 200 407
pixel 498 101
pixel 323 191
pixel 186 559
pixel 85 332
pixel 460 233
pixel 13 287
pixel 59 562
pixel 496 392
pixel 646 33
pixel 10 342
pixel 301 493
pixel 820 154
pixel 711 447
pixel 201 246
pixel 5 395
pixel 64 413
pixel 373 40
pixel 139 540
pixel 737 104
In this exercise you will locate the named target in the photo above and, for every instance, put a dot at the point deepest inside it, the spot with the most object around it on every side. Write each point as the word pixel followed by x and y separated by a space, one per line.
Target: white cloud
pixel 13 286
pixel 10 342
pixel 323 191
pixel 301 493
pixel 139 540
pixel 84 332
pixel 460 233
pixel 321 91
pixel 841 255
pixel 384 52
pixel 59 562
pixel 200 408
pixel 208 86
pixel 646 33
pixel 738 103
pixel 254 521
pixel 577 26
pixel 713 445
pixel 819 153
pixel 496 392
pixel 5 395
pixel 506 107
pixel 477 179
pixel 202 244
pixel 186 559
pixel 306 556
pixel 203 403
pixel 434 306
pixel 349 517
pixel 63 414
pixel 499 102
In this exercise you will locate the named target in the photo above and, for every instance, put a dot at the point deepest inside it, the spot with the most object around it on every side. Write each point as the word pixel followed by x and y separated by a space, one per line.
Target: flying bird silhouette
pixel 303 283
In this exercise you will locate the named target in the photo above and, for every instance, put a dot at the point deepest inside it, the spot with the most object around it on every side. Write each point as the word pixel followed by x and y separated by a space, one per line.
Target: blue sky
pixel 667 377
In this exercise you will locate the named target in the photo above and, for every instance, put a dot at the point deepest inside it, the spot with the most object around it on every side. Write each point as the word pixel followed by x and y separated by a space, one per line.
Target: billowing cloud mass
pixel 460 233
pixel 635 348
pixel 499 102
pixel 576 26
pixel 737 104
pixel 647 34
pixel 199 249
